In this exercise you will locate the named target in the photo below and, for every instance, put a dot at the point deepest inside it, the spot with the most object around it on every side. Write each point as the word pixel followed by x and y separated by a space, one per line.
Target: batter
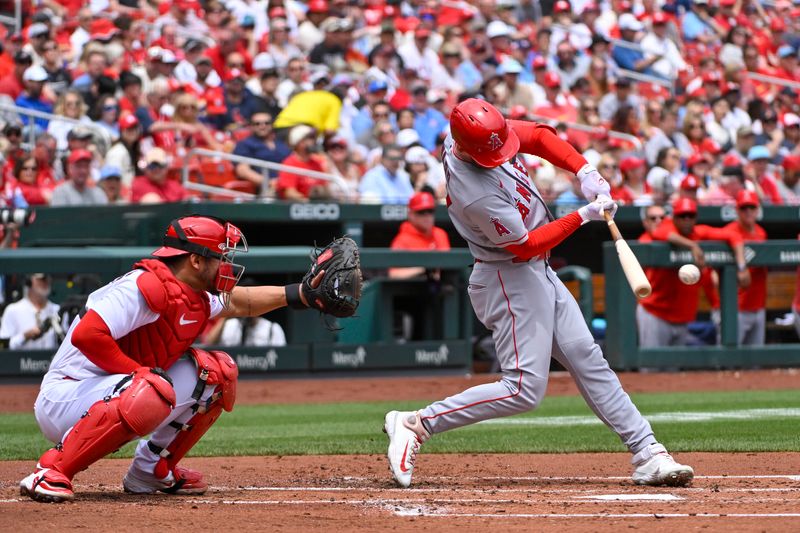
pixel 496 208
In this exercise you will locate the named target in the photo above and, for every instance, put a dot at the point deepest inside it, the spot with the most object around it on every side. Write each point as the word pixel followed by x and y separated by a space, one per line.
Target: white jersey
pixel 123 308
pixel 492 207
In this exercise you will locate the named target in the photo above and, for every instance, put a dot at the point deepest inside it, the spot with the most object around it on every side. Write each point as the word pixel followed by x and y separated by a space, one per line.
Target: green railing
pixel 622 349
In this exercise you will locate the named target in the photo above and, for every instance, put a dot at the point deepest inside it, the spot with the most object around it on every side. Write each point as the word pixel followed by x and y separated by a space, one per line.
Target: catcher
pixel 126 368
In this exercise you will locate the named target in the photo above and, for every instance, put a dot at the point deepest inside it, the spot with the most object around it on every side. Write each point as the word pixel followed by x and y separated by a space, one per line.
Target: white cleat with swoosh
pixel 406 434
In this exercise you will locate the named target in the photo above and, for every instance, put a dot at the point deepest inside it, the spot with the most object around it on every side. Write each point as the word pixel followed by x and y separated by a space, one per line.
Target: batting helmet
pixel 209 237
pixel 482 132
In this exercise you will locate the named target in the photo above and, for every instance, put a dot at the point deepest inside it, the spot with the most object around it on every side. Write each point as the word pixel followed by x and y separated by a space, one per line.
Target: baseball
pixel 689 274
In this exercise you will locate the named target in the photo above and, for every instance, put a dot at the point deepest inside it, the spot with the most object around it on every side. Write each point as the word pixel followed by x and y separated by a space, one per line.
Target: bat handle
pixel 612 226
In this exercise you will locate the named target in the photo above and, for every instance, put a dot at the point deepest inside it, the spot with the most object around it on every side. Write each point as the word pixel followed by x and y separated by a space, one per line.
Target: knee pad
pixel 146 402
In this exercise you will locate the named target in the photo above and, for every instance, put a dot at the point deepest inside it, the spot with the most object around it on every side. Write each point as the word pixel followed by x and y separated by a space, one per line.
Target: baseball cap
pixel 551 79
pixel 193 44
pixel 744 131
pixel 421 201
pixel 518 111
pixel 684 205
pixel 300 132
pixel 630 163
pixel 36 29
pixel 509 66
pixel 497 28
pixel 235 74
pixel 694 159
pixel 35 73
pixel 342 79
pixel 128 120
pixel 318 6
pixel 79 132
pixel 319 76
pixel 659 17
pixel 690 183
pixel 110 171
pixel 710 145
pixel 407 137
pixel 562 6
pixel 758 152
pixel 539 62
pixel 790 119
pixel 156 156
pixel 417 154
pixel 435 95
pixel 79 155
pixel 791 162
pixel 745 198
pixel 336 140
pixel 377 85
pixel 263 61
pixel 628 22
pixel 422 31
pixel 786 50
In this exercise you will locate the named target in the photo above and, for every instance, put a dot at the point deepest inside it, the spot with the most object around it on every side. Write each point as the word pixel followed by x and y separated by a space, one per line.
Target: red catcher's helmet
pixel 482 132
pixel 208 237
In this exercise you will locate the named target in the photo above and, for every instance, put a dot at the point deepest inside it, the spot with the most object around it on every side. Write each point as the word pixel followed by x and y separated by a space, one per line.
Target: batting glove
pixel 592 183
pixel 594 210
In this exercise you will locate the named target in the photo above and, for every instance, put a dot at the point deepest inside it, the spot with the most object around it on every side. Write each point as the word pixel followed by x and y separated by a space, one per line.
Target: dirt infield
pixel 466 492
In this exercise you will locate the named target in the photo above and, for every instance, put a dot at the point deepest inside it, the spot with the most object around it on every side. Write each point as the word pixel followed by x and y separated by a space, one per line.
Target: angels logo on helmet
pixel 494 141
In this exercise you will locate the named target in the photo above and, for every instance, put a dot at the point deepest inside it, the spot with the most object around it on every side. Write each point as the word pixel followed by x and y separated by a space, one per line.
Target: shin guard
pixel 214 368
pixel 112 422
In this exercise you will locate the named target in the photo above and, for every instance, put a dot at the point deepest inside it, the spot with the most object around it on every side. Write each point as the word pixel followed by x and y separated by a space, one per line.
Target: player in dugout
pixel 662 318
pixel 127 368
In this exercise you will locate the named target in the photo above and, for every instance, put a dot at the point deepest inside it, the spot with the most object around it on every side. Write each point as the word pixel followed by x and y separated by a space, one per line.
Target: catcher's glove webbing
pixel 339 291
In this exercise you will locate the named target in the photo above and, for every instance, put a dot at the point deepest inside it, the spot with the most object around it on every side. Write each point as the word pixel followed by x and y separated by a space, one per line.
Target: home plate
pixel 631 497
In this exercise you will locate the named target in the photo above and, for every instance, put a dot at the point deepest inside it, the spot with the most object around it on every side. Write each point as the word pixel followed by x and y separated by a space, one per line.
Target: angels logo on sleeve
pixel 499 227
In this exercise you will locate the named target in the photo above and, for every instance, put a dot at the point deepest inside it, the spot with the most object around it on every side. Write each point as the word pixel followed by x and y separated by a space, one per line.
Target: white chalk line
pixel 435 513
pixel 791 477
pixel 676 416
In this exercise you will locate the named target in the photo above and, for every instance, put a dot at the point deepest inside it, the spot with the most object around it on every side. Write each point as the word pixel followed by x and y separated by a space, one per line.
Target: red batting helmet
pixel 209 237
pixel 482 132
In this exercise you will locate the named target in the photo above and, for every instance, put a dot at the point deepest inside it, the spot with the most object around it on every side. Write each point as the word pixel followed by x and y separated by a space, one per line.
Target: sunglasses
pixel 236 65
pixel 261 123
pixel 686 215
pixel 653 218
pixel 609 166
pixel 590 109
pixel 156 166
pixel 744 207
pixel 424 212
pixel 110 108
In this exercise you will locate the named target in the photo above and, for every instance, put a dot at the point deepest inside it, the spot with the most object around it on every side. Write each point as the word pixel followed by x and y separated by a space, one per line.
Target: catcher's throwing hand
pixel 333 283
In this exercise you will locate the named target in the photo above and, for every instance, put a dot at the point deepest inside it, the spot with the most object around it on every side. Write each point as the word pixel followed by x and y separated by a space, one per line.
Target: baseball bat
pixel 630 265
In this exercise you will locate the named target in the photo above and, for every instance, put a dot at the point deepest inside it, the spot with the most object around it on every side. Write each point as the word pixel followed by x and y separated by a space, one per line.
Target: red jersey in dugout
pixel 672 300
pixel 753 298
pixel 410 238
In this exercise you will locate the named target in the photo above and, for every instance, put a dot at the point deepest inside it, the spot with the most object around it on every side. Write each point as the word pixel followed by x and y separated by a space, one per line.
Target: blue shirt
pixel 569 197
pixel 24 101
pixel 626 57
pixel 385 188
pixel 255 148
pixel 469 75
pixel 429 125
pixel 693 26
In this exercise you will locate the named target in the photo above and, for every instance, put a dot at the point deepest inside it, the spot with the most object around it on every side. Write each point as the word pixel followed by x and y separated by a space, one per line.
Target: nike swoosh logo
pixel 183 322
pixel 403 460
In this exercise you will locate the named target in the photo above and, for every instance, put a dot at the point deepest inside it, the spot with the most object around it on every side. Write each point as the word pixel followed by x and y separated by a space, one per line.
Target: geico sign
pixel 314 211
pixel 394 212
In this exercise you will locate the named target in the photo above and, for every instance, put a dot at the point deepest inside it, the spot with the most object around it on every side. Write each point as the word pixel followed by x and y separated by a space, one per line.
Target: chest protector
pixel 183 314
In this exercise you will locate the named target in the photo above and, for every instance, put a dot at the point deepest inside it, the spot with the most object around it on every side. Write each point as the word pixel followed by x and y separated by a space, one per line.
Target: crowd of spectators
pixel 660 96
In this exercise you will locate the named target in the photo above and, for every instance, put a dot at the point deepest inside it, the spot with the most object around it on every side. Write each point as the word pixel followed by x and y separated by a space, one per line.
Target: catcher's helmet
pixel 209 237
pixel 482 132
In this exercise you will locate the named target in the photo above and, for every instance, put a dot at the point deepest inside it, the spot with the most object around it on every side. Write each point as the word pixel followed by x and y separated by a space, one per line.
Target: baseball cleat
pixel 662 469
pixel 46 485
pixel 181 481
pixel 406 434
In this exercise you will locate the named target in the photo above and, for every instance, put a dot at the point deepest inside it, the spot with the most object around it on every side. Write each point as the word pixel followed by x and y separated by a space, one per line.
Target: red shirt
pixel 796 302
pixel 672 300
pixel 410 238
pixel 11 86
pixel 32 193
pixel 303 184
pixel 169 191
pixel 770 188
pixel 753 298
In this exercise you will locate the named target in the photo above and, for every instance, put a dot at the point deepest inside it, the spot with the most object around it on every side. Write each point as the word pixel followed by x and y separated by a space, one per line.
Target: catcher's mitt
pixel 339 291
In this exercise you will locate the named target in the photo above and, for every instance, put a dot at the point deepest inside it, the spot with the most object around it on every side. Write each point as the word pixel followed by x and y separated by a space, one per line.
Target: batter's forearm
pixel 547 237
pixel 541 141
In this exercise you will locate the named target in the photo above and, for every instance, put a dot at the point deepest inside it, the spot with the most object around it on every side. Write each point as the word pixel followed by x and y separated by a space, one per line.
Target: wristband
pixel 293 296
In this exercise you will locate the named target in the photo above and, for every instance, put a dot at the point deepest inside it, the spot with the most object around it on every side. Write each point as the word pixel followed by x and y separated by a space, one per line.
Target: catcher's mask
pixel 208 237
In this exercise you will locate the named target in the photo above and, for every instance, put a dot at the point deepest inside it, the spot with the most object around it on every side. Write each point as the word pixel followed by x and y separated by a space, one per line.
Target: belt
pixel 515 260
